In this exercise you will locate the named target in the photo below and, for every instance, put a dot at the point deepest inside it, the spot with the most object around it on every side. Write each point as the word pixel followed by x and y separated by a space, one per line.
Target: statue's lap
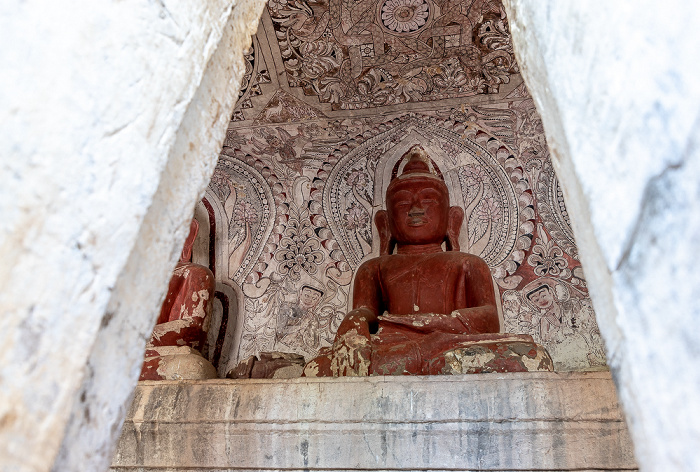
pixel 395 350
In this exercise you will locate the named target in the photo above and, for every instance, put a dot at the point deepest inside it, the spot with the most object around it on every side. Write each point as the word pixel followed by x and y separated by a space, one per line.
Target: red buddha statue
pixel 173 353
pixel 423 310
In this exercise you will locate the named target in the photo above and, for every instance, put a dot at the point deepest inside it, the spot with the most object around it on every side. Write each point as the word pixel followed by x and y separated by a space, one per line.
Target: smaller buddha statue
pixel 423 309
pixel 174 351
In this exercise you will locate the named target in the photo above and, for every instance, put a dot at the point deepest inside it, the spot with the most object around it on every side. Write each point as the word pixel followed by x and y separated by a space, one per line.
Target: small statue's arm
pixel 188 329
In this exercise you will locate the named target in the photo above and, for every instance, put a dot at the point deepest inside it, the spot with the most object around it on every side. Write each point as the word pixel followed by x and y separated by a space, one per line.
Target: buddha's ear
pixel 386 240
pixel 454 226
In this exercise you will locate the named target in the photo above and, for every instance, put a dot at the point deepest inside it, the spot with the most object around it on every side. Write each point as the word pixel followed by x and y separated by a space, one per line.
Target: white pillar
pixel 618 89
pixel 111 119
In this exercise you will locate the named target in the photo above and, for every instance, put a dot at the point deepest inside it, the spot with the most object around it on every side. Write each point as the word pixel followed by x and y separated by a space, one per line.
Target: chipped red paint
pixel 185 313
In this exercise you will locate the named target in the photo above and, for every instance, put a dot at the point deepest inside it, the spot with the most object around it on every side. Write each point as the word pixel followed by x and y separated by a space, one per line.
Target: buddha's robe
pixel 174 350
pixel 432 304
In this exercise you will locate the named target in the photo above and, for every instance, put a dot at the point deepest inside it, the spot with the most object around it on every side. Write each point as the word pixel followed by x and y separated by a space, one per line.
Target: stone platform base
pixel 505 422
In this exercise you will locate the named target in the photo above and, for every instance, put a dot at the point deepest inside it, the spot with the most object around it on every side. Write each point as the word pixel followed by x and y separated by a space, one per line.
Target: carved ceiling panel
pixel 346 57
pixel 371 53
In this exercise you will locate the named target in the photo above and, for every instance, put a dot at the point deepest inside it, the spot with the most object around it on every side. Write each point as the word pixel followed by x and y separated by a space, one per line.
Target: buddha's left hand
pixel 477 320
pixel 428 322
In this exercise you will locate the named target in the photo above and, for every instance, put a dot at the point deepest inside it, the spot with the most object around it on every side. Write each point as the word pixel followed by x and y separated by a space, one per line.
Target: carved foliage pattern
pixel 368 53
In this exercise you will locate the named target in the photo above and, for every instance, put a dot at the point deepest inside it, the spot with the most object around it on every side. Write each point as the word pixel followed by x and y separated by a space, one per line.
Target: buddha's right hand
pixel 428 322
pixel 357 319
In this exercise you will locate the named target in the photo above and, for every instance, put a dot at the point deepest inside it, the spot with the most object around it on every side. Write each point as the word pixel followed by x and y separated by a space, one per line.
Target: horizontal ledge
pixel 395 379
pixel 386 422
pixel 486 422
pixel 345 469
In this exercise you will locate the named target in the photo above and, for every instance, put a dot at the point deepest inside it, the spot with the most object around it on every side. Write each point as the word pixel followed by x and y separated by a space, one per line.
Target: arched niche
pixel 330 209
pixel 483 176
pixel 210 249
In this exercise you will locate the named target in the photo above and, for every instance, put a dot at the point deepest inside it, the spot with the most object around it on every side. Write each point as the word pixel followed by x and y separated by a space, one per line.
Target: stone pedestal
pixel 505 422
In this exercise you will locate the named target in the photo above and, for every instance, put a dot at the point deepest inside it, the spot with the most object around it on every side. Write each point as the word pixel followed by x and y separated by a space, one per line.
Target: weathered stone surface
pixel 619 98
pixel 112 115
pixel 531 421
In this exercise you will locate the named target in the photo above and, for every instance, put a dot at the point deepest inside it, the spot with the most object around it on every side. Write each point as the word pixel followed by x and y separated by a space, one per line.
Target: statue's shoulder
pixel 371 264
pixel 190 270
pixel 469 259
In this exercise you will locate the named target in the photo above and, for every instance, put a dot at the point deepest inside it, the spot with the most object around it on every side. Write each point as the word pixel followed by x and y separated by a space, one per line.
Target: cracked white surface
pixel 620 101
pixel 112 116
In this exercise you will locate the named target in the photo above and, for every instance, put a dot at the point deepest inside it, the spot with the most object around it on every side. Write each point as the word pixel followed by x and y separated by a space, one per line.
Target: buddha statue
pixel 423 310
pixel 174 350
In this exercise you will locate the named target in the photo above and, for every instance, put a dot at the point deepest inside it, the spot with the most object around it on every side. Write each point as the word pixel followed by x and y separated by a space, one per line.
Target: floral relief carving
pixel 247 201
pixel 365 53
pixel 547 258
pixel 298 249
pixel 404 16
pixel 552 208
pixel 254 76
pixel 356 217
pixel 244 213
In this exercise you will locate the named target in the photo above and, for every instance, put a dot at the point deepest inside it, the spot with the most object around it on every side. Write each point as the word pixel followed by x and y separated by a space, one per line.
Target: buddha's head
pixel 418 207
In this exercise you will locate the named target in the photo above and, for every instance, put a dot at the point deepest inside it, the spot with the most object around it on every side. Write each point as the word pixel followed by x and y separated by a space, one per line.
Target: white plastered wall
pixel 111 119
pixel 617 86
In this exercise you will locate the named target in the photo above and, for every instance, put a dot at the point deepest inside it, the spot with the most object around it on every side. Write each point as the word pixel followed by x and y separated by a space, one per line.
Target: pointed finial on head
pixel 418 164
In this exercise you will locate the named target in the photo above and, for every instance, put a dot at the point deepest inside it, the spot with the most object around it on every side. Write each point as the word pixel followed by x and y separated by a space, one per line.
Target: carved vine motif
pixel 369 53
pixel 550 204
pixel 249 208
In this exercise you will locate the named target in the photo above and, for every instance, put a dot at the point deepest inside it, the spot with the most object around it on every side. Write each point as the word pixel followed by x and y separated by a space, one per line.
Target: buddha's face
pixel 418 210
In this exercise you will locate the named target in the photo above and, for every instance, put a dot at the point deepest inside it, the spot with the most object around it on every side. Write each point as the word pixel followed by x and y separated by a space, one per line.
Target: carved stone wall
pixel 311 149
